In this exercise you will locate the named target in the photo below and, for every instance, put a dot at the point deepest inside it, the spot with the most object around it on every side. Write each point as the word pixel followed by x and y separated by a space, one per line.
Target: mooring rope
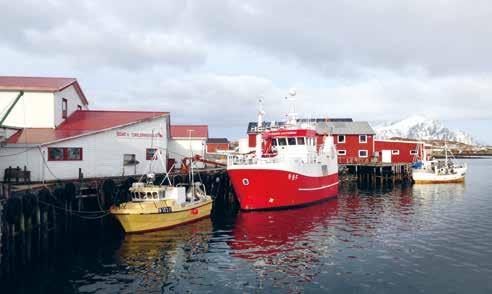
pixel 80 214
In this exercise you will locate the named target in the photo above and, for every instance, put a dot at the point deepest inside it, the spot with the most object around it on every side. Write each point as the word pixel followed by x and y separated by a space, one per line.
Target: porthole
pixel 245 182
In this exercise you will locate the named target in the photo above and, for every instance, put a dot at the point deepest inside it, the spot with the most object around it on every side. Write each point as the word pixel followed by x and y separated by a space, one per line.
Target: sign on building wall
pixel 136 135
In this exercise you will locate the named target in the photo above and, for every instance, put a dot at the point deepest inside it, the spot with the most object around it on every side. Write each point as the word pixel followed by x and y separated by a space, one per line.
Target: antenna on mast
pixel 261 113
pixel 292 115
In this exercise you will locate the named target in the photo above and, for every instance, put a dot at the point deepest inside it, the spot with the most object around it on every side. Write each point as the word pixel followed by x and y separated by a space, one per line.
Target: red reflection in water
pixel 267 233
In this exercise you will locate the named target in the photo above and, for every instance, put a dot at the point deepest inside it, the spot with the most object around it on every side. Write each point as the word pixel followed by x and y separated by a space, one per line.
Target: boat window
pixel 291 141
pixel 282 141
pixel 149 195
pixel 274 142
pixel 154 194
pixel 161 194
pixel 300 141
pixel 142 195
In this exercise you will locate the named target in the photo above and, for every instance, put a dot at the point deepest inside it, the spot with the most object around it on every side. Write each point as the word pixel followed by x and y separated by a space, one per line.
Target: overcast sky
pixel 209 61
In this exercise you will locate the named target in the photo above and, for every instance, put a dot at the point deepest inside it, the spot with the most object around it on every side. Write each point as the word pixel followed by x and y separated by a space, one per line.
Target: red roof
pixel 82 122
pixel 44 84
pixel 183 131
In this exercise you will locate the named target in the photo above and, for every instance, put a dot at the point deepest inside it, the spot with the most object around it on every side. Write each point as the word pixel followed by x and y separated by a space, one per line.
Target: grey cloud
pixel 209 98
pixel 368 60
pixel 337 38
pixel 444 37
pixel 85 33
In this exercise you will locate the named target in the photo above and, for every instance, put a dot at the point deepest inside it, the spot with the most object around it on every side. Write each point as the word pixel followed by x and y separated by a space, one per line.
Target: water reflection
pixel 422 238
pixel 151 258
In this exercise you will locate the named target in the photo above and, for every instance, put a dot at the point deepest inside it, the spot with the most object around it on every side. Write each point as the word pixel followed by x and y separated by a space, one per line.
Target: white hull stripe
pixel 318 188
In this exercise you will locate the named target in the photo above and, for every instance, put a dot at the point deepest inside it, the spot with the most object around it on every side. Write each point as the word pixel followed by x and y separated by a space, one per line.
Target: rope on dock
pixel 80 214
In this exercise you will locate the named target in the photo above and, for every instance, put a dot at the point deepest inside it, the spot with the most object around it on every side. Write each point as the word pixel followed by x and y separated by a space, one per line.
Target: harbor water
pixel 415 239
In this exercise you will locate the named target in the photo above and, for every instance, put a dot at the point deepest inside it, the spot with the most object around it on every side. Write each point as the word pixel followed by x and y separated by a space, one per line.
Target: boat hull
pixel 262 189
pixel 430 178
pixel 152 220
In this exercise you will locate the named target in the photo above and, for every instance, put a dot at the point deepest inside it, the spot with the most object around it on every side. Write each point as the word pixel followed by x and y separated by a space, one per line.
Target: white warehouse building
pixel 187 141
pixel 51 131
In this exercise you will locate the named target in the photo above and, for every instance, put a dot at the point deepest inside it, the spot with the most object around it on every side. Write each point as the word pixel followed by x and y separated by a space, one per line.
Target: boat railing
pixel 249 159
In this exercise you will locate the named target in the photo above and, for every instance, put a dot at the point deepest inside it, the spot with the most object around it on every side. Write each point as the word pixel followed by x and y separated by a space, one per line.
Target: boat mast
pixel 292 115
pixel 259 129
pixel 446 152
pixel 190 176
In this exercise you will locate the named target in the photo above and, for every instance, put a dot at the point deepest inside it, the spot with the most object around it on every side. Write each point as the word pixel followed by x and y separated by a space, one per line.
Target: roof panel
pixel 185 131
pixel 48 84
pixel 79 123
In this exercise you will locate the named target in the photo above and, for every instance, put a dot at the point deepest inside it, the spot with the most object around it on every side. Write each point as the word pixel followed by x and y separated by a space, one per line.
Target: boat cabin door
pixel 386 156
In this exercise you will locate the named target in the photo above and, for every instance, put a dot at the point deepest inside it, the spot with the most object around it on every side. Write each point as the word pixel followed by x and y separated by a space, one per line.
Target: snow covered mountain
pixel 421 128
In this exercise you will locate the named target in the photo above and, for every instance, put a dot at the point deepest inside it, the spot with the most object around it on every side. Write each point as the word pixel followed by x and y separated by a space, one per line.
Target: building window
pixel 413 152
pixel 341 138
pixel 395 152
pixel 73 153
pixel 129 159
pixel 55 154
pixel 79 107
pixel 149 153
pixel 64 154
pixel 64 108
pixel 362 153
pixel 362 138
pixel 342 152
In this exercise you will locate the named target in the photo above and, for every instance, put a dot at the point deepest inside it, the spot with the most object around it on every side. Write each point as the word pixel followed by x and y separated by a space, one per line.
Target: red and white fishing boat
pixel 291 166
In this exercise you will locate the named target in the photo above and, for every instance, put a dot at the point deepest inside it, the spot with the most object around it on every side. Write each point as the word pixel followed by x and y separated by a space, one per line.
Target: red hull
pixel 269 189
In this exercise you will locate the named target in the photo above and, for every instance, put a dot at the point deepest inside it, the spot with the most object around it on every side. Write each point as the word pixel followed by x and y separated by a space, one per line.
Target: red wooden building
pixel 354 140
pixel 215 144
pixel 399 151
pixel 355 143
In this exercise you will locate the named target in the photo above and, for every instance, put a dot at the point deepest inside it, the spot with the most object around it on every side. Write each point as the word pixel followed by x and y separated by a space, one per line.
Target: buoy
pixel 59 194
pixel 108 188
pixel 13 210
pixel 44 197
pixel 70 191
pixel 29 202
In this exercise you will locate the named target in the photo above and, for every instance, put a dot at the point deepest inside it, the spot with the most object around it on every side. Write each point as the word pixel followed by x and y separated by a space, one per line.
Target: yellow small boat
pixel 156 207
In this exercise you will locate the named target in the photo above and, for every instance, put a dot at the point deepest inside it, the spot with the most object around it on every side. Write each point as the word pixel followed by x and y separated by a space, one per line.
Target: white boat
pixel 439 171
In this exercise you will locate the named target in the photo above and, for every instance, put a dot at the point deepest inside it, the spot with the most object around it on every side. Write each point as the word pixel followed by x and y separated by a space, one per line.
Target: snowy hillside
pixel 419 127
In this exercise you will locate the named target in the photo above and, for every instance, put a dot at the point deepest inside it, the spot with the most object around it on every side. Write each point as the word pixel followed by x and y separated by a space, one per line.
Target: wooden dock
pixel 372 174
pixel 40 212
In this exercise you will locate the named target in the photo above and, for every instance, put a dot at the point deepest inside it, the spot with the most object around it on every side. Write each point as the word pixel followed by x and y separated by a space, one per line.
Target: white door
pixel 386 156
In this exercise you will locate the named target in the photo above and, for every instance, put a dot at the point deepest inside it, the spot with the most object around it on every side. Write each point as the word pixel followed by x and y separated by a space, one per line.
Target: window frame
pixel 290 139
pixel 282 139
pixel 341 141
pixel 65 152
pixel 64 108
pixel 342 152
pixel 147 157
pixel 395 152
pixel 132 161
pixel 360 140
pixel 365 150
